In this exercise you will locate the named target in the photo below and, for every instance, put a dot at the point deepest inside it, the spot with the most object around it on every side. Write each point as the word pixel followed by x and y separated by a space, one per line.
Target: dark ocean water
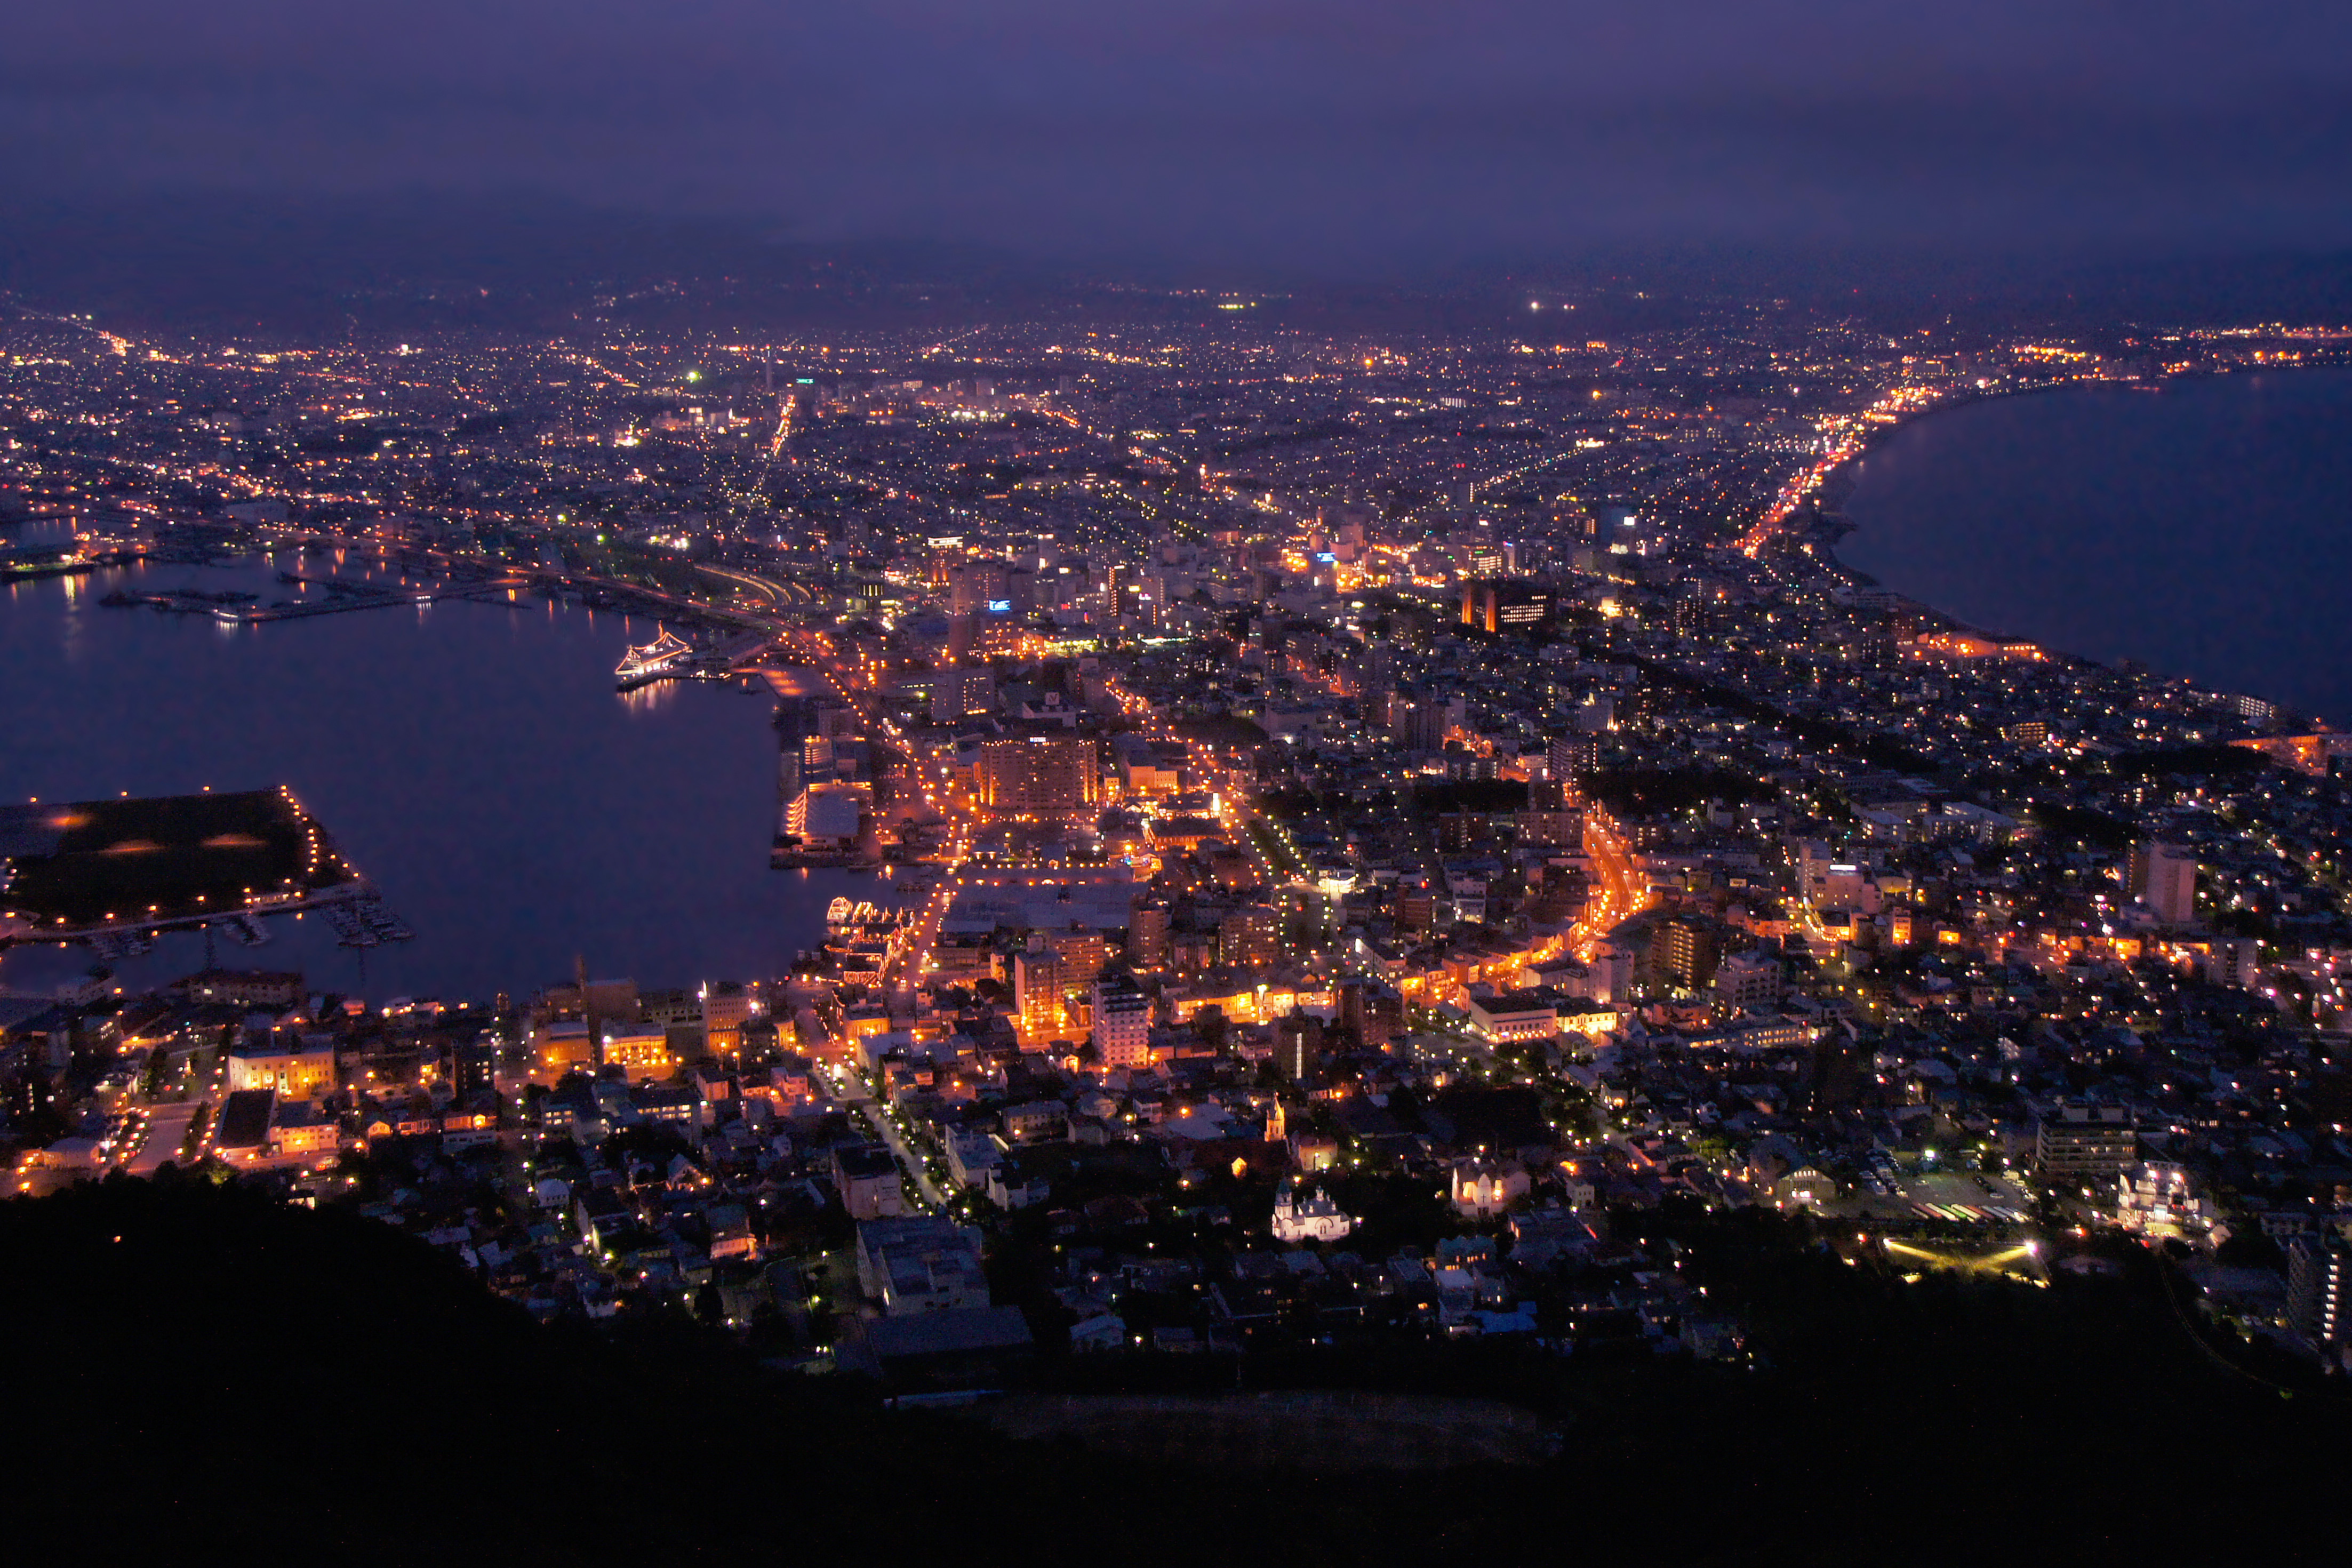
pixel 473 760
pixel 2204 530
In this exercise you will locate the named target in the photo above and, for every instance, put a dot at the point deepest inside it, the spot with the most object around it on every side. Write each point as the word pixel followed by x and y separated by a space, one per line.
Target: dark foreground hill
pixel 197 1373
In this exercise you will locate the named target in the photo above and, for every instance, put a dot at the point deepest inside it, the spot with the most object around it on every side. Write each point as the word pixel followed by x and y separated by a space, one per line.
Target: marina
pixel 197 863
pixel 342 595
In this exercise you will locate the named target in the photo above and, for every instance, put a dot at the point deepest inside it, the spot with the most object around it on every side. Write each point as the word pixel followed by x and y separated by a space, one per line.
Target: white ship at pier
pixel 845 918
pixel 667 654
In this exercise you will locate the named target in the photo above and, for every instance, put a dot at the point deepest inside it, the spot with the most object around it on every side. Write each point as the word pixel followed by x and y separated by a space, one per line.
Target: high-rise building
pixel 1037 992
pixel 2080 1139
pixel 1555 794
pixel 1684 950
pixel 1371 1008
pixel 1039 777
pixel 1555 815
pixel 1250 938
pixel 963 690
pixel 2233 960
pixel 1611 973
pixel 1052 982
pixel 1297 1043
pixel 727 1006
pixel 2319 1287
pixel 1495 607
pixel 1146 935
pixel 1122 1022
pixel 2163 877
pixel 1749 982
pixel 1353 993
pixel 1419 725
pixel 977 586
pixel 1083 949
pixel 473 1065
pixel 1570 755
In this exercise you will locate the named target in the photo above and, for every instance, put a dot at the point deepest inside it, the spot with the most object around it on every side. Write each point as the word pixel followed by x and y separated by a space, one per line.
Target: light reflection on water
pixel 651 699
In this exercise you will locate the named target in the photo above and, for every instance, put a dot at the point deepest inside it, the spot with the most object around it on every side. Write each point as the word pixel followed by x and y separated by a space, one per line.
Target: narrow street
pixel 908 1160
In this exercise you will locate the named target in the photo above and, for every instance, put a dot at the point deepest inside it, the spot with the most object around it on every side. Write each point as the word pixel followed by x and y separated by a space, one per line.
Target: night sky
pixel 1271 129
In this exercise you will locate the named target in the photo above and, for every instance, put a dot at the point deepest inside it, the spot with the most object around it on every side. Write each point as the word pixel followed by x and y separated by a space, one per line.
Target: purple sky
pixel 1299 129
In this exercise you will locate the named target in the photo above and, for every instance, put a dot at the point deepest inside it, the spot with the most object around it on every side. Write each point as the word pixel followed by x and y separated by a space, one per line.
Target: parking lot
pixel 1967 1197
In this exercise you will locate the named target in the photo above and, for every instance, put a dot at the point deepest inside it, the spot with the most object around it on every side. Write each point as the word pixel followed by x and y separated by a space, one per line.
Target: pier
pixel 112 875
pixel 343 594
pixel 29 562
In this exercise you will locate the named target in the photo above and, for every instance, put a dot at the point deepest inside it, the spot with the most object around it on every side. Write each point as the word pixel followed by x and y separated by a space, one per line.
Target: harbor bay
pixel 2202 528
pixel 471 756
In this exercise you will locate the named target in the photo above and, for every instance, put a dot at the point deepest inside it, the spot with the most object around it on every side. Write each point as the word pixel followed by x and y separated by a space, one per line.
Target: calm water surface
pixel 473 760
pixel 2204 530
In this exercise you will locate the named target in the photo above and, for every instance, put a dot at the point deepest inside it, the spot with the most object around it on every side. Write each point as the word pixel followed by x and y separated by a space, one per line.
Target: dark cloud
pixel 1291 129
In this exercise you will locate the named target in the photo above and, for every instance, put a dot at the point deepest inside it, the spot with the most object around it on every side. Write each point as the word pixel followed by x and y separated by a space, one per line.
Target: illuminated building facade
pixel 1052 982
pixel 1039 777
pixel 727 1006
pixel 1509 1016
pixel 1122 1022
pixel 293 1072
pixel 1250 938
pixel 2319 1287
pixel 2083 1140
pixel 1503 606
pixel 641 1051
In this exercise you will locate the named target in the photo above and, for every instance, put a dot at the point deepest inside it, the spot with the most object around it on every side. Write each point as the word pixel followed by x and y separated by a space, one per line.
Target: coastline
pixel 673 883
pixel 1841 479
pixel 1837 486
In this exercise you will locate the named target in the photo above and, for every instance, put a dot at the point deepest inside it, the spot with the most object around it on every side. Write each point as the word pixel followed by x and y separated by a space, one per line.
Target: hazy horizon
pixel 1323 141
pixel 214 262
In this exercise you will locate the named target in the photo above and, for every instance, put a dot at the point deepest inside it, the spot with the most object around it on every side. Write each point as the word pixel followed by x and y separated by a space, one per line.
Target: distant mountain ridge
pixel 218 264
